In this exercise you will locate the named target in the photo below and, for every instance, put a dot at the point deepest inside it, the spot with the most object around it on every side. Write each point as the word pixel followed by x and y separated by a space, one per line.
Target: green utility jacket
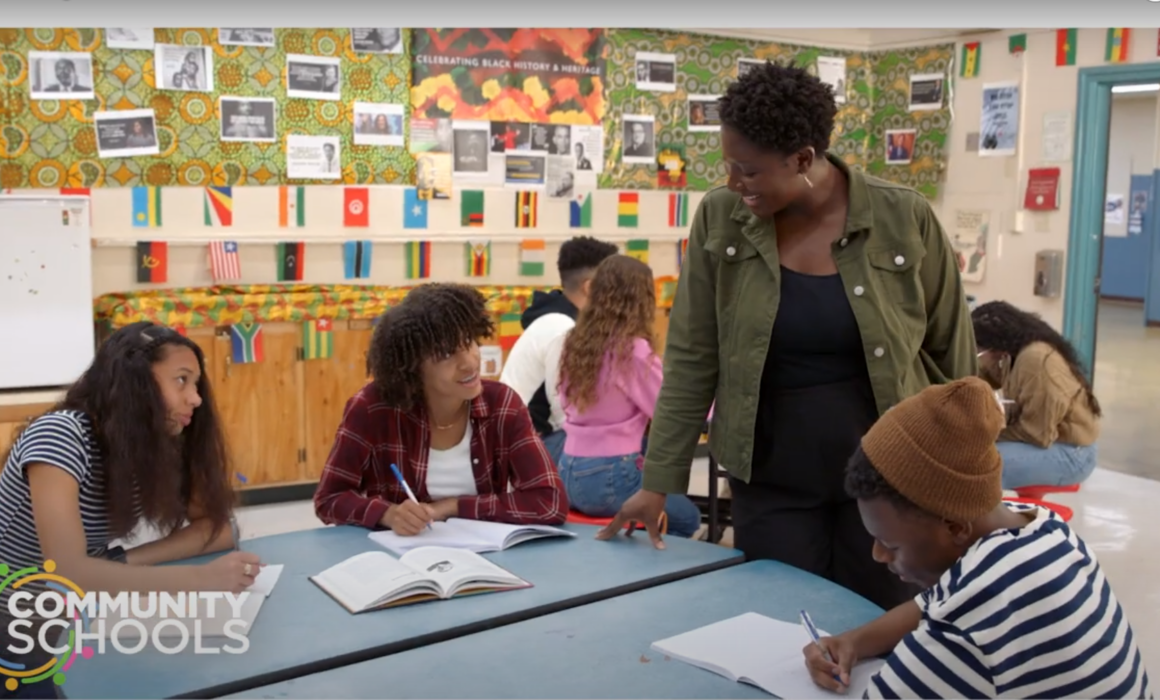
pixel 902 279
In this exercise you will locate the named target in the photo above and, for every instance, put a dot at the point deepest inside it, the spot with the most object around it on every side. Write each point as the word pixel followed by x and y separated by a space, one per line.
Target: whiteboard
pixel 46 290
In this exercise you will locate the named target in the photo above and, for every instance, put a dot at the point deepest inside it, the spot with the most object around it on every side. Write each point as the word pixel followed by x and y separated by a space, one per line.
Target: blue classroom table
pixel 302 630
pixel 599 650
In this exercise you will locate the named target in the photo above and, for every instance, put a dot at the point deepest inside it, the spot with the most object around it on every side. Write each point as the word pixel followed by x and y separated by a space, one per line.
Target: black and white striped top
pixel 63 439
pixel 1025 613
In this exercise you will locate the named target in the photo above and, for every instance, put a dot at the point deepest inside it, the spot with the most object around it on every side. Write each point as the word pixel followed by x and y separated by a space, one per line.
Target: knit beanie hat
pixel 937 448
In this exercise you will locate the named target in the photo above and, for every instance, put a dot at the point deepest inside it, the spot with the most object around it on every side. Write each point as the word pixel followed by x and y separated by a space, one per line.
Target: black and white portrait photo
pixel 246 36
pixel 744 65
pixel 126 132
pixel 248 119
pixel 313 157
pixel 313 77
pixel 185 68
pixel 639 139
pixel 471 151
pixel 378 124
pixel 130 38
pixel 582 160
pixel 560 143
pixel 388 40
pixel 540 138
pixel 656 72
pixel 60 76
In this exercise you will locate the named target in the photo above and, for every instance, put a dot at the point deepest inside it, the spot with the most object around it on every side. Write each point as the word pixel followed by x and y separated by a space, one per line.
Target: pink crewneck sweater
pixel 614 424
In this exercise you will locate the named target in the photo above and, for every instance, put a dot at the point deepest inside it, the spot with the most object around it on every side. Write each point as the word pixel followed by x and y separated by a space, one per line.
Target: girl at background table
pixel 464 445
pixel 1050 439
pixel 610 375
pixel 136 438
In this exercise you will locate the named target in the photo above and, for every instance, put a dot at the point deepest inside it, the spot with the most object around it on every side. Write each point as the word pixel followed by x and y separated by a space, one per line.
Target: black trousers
pixel 795 509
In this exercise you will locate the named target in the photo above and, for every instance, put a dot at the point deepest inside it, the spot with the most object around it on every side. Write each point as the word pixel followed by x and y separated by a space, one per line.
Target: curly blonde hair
pixel 622 306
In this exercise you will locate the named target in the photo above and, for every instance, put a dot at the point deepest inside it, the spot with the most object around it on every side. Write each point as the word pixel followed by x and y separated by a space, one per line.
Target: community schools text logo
pixel 63 620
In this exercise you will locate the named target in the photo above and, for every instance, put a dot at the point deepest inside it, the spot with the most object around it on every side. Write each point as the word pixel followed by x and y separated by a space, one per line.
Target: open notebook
pixel 472 535
pixel 760 651
pixel 212 623
pixel 375 580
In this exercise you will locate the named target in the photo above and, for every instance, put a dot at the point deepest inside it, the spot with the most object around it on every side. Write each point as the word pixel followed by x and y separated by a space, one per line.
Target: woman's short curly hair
pixel 781 109
pixel 433 320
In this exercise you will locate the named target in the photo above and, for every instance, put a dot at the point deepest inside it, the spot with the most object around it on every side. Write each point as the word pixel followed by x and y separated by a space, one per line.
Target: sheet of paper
pixel 266 579
pixel 765 651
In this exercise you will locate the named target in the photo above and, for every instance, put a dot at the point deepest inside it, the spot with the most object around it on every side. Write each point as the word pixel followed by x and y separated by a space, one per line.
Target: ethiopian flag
pixel 1117 47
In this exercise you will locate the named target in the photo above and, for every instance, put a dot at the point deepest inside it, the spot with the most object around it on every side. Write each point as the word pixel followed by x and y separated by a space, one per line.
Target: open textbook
pixel 375 580
pixel 762 652
pixel 472 535
pixel 210 622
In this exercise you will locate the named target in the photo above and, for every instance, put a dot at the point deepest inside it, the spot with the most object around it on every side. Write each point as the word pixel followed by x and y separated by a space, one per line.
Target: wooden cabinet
pixel 280 415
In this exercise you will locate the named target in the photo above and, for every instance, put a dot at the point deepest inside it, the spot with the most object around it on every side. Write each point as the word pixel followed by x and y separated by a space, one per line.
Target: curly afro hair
pixel 780 109
pixel 434 320
pixel 1002 327
pixel 579 258
pixel 865 483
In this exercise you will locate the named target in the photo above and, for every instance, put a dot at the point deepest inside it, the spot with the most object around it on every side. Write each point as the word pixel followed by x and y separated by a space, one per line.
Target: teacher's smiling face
pixel 767 182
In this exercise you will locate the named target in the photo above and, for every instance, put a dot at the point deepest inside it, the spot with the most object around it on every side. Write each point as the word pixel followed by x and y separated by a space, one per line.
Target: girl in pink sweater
pixel 610 376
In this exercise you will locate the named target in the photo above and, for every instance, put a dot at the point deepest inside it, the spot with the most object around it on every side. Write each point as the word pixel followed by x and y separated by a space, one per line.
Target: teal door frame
pixel 1089 181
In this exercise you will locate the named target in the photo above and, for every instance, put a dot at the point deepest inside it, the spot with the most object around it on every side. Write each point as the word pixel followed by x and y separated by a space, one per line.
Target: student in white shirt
pixel 1015 605
pixel 533 365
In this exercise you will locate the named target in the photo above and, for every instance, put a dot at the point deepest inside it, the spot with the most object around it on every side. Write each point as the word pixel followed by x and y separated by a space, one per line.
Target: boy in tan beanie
pixel 1015 604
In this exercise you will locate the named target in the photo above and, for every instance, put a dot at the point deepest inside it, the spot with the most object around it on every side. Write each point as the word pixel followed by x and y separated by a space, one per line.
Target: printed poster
pixel 509 75
pixel 1138 203
pixel 999 127
pixel 970 242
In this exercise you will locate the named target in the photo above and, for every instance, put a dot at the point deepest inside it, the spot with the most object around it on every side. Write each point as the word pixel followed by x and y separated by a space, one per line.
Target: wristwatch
pixel 116 554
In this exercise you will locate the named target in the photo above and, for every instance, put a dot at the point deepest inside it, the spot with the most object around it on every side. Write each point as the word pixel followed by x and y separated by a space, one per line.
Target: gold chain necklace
pixel 449 425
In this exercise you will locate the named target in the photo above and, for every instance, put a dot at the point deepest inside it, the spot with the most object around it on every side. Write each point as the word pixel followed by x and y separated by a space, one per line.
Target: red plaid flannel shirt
pixel 357 485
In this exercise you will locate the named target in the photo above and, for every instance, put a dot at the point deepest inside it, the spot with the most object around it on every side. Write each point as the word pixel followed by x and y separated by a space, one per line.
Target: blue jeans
pixel 555 445
pixel 1057 465
pixel 599 486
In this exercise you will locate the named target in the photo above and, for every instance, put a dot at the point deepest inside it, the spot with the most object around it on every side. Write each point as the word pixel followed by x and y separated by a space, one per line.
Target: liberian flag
pixel 224 265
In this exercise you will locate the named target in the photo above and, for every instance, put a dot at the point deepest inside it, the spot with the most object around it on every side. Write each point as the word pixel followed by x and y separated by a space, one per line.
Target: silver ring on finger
pixel 247 570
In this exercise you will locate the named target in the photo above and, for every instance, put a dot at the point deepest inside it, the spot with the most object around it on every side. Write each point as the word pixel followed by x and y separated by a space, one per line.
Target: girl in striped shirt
pixel 137 438
pixel 1015 605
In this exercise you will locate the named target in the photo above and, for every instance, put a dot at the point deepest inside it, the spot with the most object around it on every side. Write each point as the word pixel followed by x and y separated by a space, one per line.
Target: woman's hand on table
pixel 643 507
pixel 231 573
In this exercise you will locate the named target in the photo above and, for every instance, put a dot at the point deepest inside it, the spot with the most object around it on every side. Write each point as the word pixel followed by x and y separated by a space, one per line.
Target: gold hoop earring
pixel 807 179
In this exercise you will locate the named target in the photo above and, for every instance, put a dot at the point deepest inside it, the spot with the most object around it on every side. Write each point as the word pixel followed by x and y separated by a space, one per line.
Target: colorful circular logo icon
pixel 17 673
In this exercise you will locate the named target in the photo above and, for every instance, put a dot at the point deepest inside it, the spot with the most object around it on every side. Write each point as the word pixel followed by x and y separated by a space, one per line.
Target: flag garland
pixel 627 209
pixel 972 56
pixel 580 211
pixel 1116 50
pixel 526 205
pixel 219 206
pixel 291 206
pixel 418 258
pixel 356 258
pixel 533 255
pixel 318 339
pixel 152 262
pixel 478 255
pixel 678 209
pixel 147 207
pixel 1065 40
pixel 246 343
pixel 637 248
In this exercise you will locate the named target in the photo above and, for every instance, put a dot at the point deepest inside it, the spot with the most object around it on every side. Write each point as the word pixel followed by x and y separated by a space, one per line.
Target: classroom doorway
pixel 1112 288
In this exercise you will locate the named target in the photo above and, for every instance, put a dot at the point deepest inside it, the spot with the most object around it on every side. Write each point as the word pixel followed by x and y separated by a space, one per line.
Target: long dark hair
pixel 1001 327
pixel 145 466
pixel 621 308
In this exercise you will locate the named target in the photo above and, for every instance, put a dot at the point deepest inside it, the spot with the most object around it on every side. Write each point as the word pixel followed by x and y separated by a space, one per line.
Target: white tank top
pixel 449 473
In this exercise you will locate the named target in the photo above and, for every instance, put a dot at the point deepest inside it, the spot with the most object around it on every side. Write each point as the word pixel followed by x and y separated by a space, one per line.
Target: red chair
pixel 1062 511
pixel 1038 492
pixel 579 518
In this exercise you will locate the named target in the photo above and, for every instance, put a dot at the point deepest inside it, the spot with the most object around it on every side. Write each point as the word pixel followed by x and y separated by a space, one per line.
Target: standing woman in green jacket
pixel 813 297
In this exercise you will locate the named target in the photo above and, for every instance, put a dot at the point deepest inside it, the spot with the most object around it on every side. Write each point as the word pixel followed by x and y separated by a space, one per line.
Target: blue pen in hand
pixel 813 632
pixel 410 493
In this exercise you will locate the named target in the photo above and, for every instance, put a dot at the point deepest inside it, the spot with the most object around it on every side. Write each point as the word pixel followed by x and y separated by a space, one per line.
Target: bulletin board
pixel 877 98
pixel 51 144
